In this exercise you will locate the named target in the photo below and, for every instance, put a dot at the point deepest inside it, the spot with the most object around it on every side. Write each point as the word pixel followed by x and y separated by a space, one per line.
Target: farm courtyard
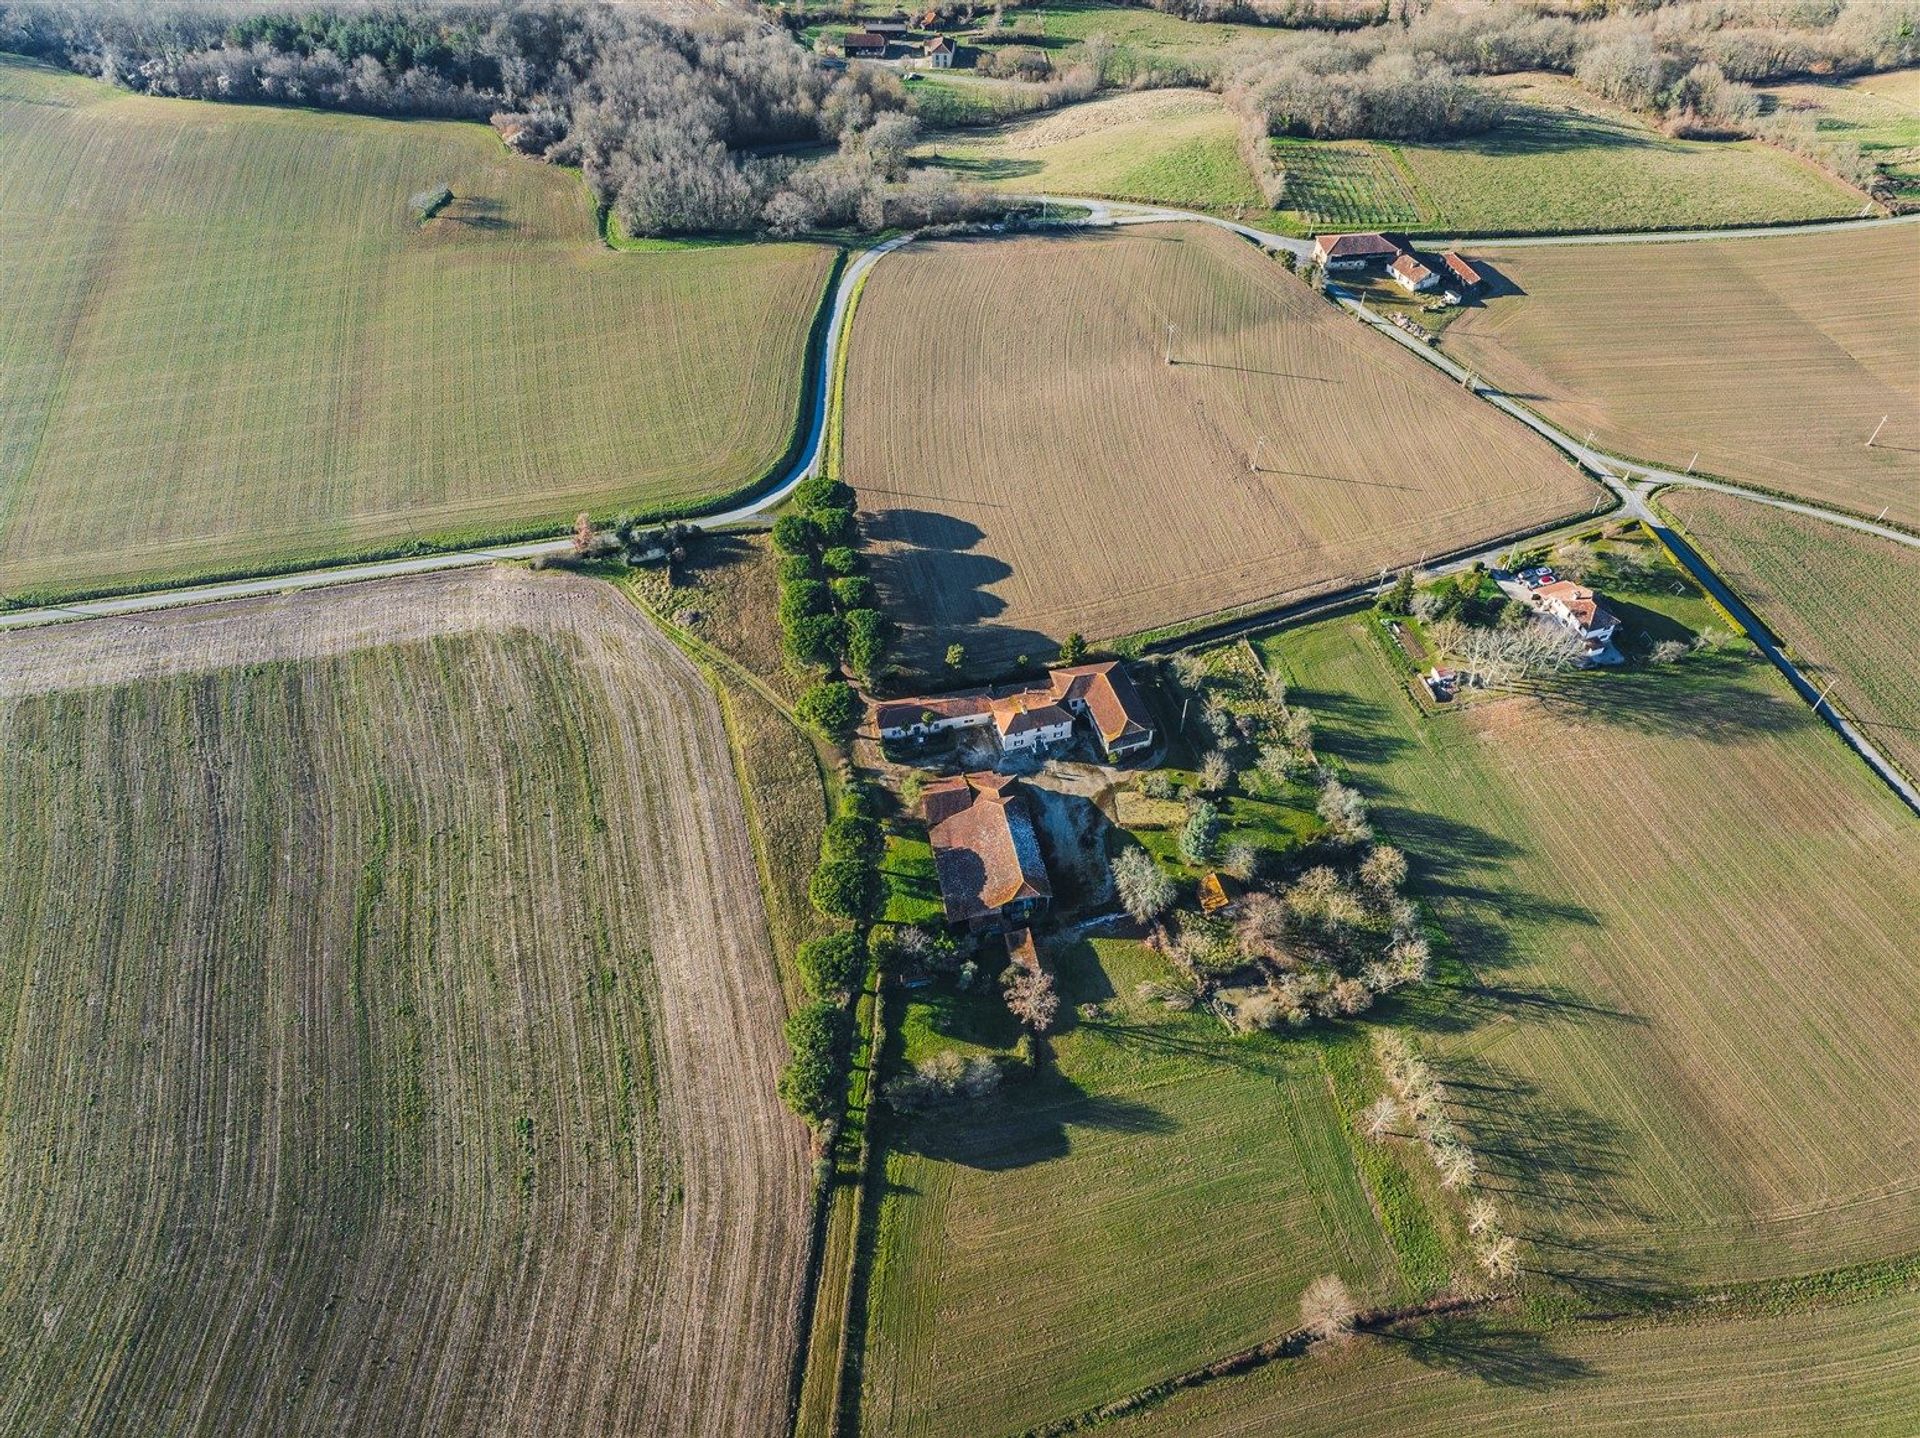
pixel 1032 465
pixel 369 965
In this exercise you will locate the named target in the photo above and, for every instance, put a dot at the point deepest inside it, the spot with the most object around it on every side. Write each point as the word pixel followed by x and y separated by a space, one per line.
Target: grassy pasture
pixel 1563 162
pixel 367 1081
pixel 1880 113
pixel 1684 1056
pixel 1159 1196
pixel 1837 600
pixel 1853 1369
pixel 1140 36
pixel 1030 465
pixel 1170 147
pixel 1773 358
pixel 225 343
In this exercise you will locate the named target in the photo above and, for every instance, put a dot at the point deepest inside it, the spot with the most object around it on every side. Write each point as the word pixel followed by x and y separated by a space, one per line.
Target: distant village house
pixel 1353 252
pixel 939 52
pixel 985 851
pixel 1034 716
pixel 864 45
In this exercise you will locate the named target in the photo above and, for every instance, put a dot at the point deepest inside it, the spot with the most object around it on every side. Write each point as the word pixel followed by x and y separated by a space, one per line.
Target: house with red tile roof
pixel 986 853
pixel 1032 716
pixel 1465 277
pixel 1352 252
pixel 1411 275
pixel 1577 609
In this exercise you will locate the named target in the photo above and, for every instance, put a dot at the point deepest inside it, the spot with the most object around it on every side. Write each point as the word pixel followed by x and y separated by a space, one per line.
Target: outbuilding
pixel 864 45
pixel 1352 252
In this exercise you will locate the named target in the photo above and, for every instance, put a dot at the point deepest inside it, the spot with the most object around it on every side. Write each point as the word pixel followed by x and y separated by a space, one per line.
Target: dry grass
pixel 1841 602
pixel 1685 1051
pixel 1031 465
pixel 1773 358
pixel 226 343
pixel 405 1060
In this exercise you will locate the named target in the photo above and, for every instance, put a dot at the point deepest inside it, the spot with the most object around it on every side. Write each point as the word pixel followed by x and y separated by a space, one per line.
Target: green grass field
pixel 364 999
pixel 1140 36
pixel 1879 113
pixel 1157 1197
pixel 1684 1052
pixel 1170 147
pixel 1836 600
pixel 226 344
pixel 1853 1370
pixel 1562 163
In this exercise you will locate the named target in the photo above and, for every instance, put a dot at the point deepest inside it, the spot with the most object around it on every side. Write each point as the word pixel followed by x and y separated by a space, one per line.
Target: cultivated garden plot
pixel 1838 600
pixel 392 1027
pixel 1683 1051
pixel 228 342
pixel 1774 360
pixel 1030 464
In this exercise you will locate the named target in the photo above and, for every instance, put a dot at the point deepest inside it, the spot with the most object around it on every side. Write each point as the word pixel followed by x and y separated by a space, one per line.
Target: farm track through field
pixel 406 1063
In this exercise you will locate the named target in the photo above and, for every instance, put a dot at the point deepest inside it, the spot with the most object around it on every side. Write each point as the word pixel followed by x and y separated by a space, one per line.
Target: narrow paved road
pixel 1631 483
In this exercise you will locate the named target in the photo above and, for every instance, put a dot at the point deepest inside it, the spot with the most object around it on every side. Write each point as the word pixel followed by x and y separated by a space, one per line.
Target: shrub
pixel 851 837
pixel 1073 649
pixel 795 568
pixel 842 560
pixel 1215 772
pixel 835 527
pixel 1198 834
pixel 811 1084
pixel 831 706
pixel 845 889
pixel 1327 1310
pixel 834 965
pixel 956 656
pixel 802 598
pixel 795 534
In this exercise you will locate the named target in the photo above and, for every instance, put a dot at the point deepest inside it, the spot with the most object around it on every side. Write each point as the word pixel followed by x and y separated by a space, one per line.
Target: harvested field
pixel 1158 1196
pixel 1728 348
pixel 1684 1048
pixel 1168 147
pixel 1854 1369
pixel 1840 601
pixel 226 343
pixel 405 1062
pixel 1032 465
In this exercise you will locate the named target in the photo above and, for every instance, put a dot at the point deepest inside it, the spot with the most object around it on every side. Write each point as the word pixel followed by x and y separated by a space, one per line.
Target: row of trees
pixel 829 609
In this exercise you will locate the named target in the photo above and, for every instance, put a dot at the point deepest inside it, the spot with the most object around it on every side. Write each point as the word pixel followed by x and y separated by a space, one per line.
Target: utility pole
pixel 1692 462
pixel 1876 431
pixel 1253 465
pixel 1169 341
pixel 1823 696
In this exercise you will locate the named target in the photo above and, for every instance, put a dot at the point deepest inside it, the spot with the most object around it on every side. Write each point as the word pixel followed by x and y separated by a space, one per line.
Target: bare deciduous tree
pixel 1145 892
pixel 1380 1117
pixel 1327 1310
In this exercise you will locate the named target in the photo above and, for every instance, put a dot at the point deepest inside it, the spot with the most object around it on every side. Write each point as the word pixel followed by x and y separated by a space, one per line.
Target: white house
pixel 1411 275
pixel 1024 725
pixel 1574 608
pixel 1033 715
pixel 939 52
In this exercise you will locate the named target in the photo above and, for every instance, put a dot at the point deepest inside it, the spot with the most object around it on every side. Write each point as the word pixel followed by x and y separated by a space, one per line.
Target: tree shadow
pixel 1032 1123
pixel 985 168
pixel 1491 1352
pixel 1698 698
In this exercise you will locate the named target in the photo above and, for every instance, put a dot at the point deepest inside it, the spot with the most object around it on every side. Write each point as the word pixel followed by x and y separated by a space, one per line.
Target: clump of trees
pixel 813 1084
pixel 1333 91
pixel 827 606
pixel 670 123
pixel 943 1079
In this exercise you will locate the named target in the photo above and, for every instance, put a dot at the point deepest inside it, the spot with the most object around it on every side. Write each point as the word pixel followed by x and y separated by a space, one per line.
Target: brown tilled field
pixel 1841 602
pixel 390 1027
pixel 1030 464
pixel 1774 358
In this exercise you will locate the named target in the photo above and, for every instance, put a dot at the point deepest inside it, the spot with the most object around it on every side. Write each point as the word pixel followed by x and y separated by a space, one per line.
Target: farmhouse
pixel 1027 717
pixel 985 852
pixel 1352 252
pixel 1465 277
pixel 864 45
pixel 939 52
pixel 1411 275
pixel 1574 607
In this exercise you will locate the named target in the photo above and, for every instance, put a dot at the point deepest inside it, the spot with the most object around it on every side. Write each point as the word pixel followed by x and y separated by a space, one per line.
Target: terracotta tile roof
pixel 1462 271
pixel 864 40
pixel 904 713
pixel 985 851
pixel 938 43
pixel 1579 601
pixel 1107 690
pixel 1348 247
pixel 1020 713
pixel 1411 270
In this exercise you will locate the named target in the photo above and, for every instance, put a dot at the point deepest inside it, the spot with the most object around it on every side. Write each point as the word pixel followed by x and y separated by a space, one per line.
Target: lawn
pixel 226 343
pixel 1853 1369
pixel 1562 162
pixel 1158 1196
pixel 1736 350
pixel 1141 37
pixel 369 962
pixel 1837 600
pixel 1042 406
pixel 1169 147
pixel 1684 1052
pixel 1879 113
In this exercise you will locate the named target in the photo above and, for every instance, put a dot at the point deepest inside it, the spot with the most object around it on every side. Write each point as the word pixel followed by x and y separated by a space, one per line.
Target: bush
pixel 846 889
pixel 1073 649
pixel 831 706
pixel 856 592
pixel 812 1083
pixel 795 534
pixel 833 966
pixel 1145 892
pixel 842 560
pixel 820 492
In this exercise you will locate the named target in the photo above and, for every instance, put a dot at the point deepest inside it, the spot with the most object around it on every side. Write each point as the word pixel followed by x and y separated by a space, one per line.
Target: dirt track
pixel 405 1062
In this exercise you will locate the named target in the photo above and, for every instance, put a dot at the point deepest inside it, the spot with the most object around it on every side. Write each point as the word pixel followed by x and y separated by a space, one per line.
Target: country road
pixel 1630 482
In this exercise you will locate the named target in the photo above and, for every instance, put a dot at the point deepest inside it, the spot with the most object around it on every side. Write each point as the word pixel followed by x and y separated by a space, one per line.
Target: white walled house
pixel 1033 716
pixel 1352 252
pixel 1575 608
pixel 1411 275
